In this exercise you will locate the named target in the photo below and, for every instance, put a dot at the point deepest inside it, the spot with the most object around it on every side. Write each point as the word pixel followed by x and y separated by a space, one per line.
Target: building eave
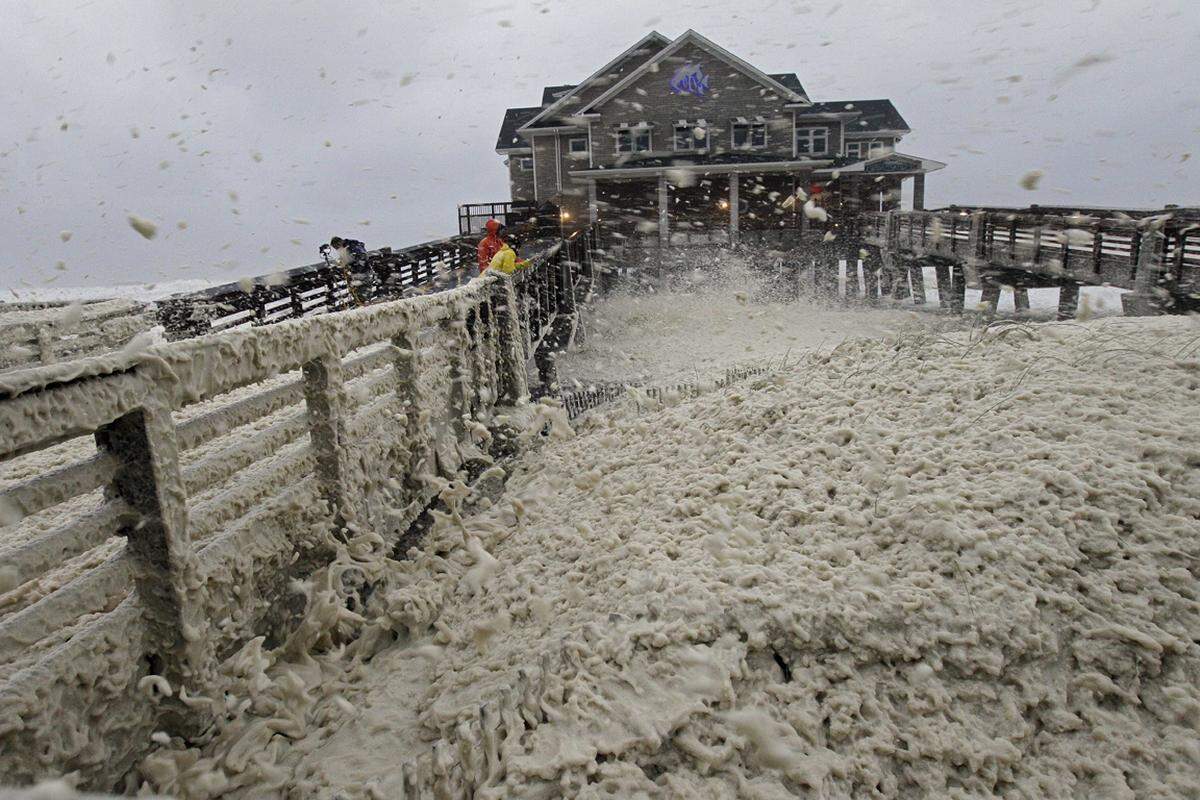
pixel 549 129
pixel 927 165
pixel 560 102
pixel 704 169
pixel 882 132
pixel 835 115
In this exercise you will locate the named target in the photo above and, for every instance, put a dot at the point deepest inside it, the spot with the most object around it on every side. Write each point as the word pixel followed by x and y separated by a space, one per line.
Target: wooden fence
pixel 173 495
pixel 1158 257
pixel 579 402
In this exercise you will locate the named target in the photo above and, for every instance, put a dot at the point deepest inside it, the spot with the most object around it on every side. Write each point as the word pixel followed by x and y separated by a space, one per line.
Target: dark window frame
pixel 754 133
pixel 810 136
pixel 630 139
pixel 688 133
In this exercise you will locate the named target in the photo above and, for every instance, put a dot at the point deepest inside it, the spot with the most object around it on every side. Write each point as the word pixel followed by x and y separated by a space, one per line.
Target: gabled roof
pixel 691 37
pixel 552 93
pixel 874 115
pixel 653 37
pixel 513 119
pixel 790 80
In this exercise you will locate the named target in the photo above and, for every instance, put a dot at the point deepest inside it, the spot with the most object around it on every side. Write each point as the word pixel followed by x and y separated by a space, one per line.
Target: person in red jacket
pixel 490 244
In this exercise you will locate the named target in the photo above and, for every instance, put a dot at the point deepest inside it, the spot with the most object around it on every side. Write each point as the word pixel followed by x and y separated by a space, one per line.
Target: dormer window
pixel 691 136
pixel 633 139
pixel 749 134
pixel 812 141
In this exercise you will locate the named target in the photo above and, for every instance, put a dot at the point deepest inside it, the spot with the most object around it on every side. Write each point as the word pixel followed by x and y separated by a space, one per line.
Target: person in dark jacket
pixel 350 256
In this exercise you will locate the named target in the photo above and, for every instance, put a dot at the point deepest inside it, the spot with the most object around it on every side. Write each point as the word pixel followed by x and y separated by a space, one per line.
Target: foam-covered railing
pixel 220 466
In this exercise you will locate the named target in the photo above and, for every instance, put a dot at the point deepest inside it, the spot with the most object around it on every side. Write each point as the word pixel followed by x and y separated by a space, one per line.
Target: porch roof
pixel 714 163
pixel 890 163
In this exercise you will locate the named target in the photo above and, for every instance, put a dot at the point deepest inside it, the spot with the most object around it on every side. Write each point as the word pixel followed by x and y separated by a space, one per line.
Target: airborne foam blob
pixel 145 228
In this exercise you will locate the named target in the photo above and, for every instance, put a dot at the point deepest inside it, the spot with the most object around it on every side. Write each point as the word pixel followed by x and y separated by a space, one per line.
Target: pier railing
pixel 473 216
pixel 314 289
pixel 1156 256
pixel 173 496
pixel 34 334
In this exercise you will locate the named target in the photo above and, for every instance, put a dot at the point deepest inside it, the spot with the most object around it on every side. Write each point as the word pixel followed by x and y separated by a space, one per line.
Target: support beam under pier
pixel 734 180
pixel 664 234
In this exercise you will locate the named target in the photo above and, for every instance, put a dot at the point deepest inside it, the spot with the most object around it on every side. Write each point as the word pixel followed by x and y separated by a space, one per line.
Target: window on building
pixel 633 140
pixel 577 144
pixel 867 148
pixel 524 164
pixel 747 135
pixel 691 137
pixel 812 141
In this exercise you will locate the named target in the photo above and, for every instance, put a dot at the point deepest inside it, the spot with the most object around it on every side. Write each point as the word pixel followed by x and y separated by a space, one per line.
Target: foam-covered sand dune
pixel 927 566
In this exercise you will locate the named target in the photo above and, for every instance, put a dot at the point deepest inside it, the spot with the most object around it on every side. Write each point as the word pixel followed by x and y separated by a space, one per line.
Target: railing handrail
pixel 271 280
pixel 343 328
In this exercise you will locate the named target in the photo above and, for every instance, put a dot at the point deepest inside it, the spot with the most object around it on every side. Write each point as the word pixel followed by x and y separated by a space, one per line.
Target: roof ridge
pixel 701 41
pixel 628 51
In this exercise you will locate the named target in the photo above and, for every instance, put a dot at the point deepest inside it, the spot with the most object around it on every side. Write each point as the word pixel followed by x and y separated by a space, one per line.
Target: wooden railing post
pixel 455 329
pixel 296 301
pixel 166 574
pixel 325 403
pixel 331 298
pixel 407 366
pixel 1176 270
pixel 513 382
pixel 1144 300
pixel 477 333
pixel 973 264
pixel 488 342
pixel 45 344
pixel 945 295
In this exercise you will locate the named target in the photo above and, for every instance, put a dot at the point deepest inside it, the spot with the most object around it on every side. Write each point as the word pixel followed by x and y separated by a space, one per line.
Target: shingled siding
pixel 546 175
pixel 574 196
pixel 732 94
pixel 520 180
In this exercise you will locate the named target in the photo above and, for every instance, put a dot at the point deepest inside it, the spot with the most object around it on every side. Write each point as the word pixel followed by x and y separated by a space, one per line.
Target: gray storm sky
pixel 266 127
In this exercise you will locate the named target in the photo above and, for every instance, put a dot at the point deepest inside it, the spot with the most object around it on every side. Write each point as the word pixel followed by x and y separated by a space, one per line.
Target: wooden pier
pixel 1154 255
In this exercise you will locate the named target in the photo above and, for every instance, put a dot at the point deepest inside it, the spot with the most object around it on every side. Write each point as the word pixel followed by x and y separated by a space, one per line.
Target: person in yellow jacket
pixel 506 260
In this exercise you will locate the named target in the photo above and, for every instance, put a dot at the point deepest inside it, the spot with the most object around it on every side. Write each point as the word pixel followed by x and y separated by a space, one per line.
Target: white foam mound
pixel 929 566
pixel 725 315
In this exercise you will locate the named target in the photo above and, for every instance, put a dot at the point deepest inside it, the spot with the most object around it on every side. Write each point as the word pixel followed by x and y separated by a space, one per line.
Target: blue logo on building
pixel 689 79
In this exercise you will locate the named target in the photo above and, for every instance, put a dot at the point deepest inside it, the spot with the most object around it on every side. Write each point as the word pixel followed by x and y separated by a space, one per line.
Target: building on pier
pixel 681 140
